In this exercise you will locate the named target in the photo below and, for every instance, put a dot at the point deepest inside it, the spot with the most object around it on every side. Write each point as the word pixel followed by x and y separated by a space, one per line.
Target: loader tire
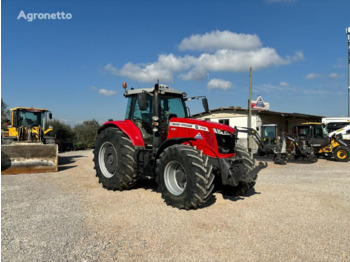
pixel 248 165
pixel 114 160
pixel 184 177
pixel 342 154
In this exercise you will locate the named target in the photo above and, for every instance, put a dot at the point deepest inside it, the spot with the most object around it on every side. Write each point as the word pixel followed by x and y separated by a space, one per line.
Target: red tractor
pixel 158 140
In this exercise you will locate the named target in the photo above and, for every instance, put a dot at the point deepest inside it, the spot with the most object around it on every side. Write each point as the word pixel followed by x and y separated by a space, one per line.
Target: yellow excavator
pixel 26 146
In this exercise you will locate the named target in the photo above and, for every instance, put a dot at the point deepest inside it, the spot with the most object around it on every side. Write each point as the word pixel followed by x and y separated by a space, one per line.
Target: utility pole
pixel 348 33
pixel 250 111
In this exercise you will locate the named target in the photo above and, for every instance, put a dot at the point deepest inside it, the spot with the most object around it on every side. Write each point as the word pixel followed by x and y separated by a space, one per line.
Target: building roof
pixel 260 112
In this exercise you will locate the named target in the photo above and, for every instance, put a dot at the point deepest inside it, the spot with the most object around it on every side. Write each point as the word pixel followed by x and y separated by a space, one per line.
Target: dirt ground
pixel 297 212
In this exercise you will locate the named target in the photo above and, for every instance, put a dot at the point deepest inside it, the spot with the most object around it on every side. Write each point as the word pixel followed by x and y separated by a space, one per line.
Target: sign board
pixel 260 104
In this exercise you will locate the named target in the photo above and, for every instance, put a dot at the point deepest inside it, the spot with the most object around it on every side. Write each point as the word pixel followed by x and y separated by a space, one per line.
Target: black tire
pixel 184 176
pixel 114 160
pixel 248 165
pixel 342 154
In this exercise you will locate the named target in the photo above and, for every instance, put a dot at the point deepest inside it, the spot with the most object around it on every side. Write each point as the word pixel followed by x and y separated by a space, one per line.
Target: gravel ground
pixel 297 212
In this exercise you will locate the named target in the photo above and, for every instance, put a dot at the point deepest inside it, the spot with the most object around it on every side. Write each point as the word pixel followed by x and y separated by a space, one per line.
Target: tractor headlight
pixel 221 132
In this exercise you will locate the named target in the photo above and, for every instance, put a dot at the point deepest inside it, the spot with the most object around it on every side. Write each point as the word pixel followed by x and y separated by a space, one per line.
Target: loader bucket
pixel 19 158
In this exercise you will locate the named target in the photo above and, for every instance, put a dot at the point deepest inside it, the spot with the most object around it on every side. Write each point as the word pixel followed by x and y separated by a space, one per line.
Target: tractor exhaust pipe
pixel 156 117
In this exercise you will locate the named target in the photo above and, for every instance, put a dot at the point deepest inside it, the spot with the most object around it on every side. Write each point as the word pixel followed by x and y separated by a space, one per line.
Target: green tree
pixel 63 132
pixel 5 112
pixel 85 133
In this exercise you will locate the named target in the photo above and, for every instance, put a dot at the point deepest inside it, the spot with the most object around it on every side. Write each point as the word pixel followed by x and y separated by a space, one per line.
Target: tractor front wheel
pixel 248 164
pixel 114 161
pixel 184 176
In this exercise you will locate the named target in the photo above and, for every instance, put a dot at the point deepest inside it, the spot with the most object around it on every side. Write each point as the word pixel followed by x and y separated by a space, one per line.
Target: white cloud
pixel 163 69
pixel 335 75
pixel 312 76
pixel 106 92
pixel 236 61
pixel 269 88
pixel 103 91
pixel 226 51
pixel 219 84
pixel 111 69
pixel 220 40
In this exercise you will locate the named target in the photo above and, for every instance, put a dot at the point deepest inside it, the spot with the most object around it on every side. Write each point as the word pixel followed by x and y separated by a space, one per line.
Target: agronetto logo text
pixel 44 16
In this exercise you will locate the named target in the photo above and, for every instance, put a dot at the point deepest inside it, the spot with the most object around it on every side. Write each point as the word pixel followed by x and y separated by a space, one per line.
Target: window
pixel 224 121
pixel 172 106
pixel 333 126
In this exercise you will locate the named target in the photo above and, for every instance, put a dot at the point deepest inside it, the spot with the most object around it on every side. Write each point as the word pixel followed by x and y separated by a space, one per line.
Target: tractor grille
pixel 226 143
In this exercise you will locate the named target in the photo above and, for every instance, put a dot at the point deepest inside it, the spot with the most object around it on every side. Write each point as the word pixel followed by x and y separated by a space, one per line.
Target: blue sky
pixel 75 67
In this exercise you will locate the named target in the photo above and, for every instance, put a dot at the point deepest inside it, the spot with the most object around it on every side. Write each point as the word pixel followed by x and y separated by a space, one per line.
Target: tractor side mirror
pixel 142 100
pixel 205 104
pixel 50 115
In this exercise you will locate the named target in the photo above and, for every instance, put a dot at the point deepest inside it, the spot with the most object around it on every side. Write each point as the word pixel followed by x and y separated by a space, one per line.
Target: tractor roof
pixel 162 88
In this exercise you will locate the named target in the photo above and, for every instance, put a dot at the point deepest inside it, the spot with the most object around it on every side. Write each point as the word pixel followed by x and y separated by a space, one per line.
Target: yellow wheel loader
pixel 26 146
pixel 326 145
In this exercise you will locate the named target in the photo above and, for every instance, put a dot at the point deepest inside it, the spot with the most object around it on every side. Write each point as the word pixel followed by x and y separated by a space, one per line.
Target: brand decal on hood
pixel 186 125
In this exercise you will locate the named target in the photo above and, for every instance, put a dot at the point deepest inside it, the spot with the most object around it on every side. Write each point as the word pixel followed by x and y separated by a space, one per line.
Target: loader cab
pixel 141 108
pixel 315 133
pixel 269 134
pixel 23 117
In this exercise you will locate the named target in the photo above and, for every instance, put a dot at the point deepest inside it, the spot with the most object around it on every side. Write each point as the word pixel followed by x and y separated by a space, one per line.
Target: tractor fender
pixel 173 141
pixel 129 128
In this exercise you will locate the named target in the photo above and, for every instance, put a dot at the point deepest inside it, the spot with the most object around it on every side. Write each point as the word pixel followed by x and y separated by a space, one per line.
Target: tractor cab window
pixel 172 107
pixel 142 118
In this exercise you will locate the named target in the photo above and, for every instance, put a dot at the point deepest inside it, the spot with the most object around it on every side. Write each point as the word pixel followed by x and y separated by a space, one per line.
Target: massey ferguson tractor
pixel 157 140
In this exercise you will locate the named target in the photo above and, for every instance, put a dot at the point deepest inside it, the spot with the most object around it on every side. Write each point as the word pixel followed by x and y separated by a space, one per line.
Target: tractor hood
pixel 198 124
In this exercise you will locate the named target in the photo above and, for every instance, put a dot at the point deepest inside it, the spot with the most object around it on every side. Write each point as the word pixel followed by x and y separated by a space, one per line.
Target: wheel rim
pixel 108 159
pixel 342 154
pixel 175 178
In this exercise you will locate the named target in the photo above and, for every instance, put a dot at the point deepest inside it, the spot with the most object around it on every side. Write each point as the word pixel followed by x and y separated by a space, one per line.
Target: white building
pixel 236 116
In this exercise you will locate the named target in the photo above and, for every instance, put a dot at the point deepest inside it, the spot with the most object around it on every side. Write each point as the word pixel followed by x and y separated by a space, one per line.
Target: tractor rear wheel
pixel 248 165
pixel 114 162
pixel 184 176
pixel 342 154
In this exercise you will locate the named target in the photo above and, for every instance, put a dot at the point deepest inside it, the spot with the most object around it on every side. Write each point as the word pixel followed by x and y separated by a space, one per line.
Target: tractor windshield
pixel 172 107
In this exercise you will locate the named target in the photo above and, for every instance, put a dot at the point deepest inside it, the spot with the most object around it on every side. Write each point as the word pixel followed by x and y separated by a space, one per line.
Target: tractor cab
pixel 141 109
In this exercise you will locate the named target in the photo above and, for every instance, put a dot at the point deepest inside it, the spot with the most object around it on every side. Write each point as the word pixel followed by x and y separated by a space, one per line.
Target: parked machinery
pixel 326 145
pixel 26 146
pixel 281 145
